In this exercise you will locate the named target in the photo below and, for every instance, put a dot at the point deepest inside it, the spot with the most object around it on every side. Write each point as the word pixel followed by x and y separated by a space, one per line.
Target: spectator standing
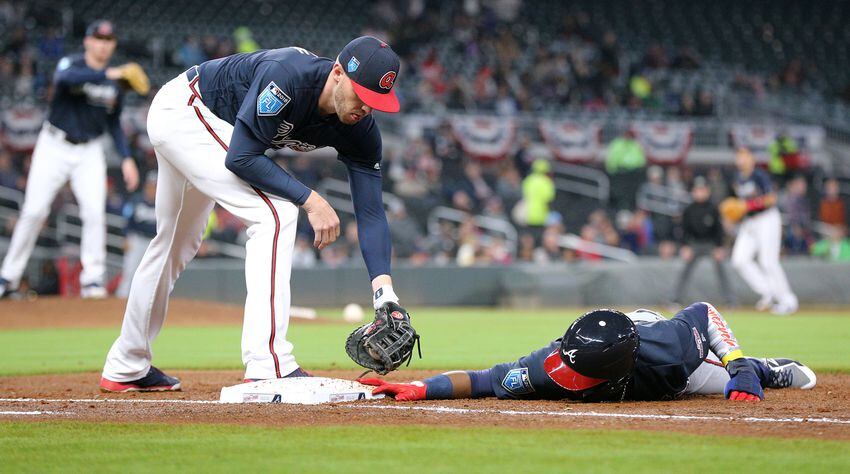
pixel 780 151
pixel 624 162
pixel 702 236
pixel 794 204
pixel 538 192
pixel 831 209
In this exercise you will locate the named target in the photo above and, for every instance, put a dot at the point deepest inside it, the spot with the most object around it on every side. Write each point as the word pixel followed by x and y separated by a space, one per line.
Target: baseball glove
pixel 134 76
pixel 733 209
pixel 385 343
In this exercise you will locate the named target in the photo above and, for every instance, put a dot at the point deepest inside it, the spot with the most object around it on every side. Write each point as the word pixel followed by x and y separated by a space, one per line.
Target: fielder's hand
pixel 323 219
pixel 385 343
pixel 403 392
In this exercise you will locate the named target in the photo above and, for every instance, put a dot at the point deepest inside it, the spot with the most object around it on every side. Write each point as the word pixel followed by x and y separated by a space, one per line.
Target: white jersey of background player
pixel 755 254
pixel 86 104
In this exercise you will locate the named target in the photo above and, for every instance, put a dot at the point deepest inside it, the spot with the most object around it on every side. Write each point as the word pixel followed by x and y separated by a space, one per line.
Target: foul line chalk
pixel 32 413
pixel 460 411
pixel 593 414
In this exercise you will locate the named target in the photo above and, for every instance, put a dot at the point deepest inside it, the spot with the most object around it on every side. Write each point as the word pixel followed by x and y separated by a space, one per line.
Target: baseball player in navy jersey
pixel 607 355
pixel 86 104
pixel 755 254
pixel 210 128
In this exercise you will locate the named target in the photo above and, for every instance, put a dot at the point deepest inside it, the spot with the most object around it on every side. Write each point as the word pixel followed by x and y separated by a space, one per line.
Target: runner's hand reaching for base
pixel 323 219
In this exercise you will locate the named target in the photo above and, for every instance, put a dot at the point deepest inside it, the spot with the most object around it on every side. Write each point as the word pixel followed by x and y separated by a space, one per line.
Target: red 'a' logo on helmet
pixel 387 80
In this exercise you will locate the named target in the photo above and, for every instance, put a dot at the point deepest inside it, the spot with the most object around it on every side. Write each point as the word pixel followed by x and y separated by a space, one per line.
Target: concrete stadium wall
pixel 650 282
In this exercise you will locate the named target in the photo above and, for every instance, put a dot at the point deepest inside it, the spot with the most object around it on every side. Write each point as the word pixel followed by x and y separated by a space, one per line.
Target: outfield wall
pixel 650 282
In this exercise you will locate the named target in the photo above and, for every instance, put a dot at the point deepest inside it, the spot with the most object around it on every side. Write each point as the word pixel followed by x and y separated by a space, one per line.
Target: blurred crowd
pixel 481 56
pixel 472 55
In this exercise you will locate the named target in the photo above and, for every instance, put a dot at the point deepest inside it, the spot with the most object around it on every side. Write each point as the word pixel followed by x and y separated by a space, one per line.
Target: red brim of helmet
pixel 563 375
pixel 384 102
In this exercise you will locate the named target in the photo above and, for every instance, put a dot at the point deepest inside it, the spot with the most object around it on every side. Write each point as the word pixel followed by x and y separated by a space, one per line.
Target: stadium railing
pixel 582 180
pixel 660 199
pixel 487 224
pixel 574 242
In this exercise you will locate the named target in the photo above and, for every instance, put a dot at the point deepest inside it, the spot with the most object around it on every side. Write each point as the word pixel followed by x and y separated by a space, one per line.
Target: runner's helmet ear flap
pixel 597 356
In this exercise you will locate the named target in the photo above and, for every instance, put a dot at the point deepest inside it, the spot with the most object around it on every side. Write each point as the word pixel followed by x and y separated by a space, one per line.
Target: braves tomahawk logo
pixel 571 354
pixel 387 80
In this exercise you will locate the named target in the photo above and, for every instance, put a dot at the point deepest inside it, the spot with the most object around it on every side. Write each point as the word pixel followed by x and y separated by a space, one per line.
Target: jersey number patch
pixel 271 100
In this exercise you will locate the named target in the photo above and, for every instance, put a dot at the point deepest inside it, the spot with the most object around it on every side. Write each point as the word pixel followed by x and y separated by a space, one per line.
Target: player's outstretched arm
pixel 744 383
pixel 449 385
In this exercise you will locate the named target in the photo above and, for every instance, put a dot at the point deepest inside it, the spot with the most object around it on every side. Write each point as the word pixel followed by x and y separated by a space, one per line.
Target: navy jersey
pixel 271 98
pixel 275 93
pixel 757 184
pixel 670 350
pixel 86 104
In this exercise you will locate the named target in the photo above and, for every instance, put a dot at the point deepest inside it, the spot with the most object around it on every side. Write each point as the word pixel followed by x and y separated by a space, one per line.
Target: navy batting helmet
pixel 596 357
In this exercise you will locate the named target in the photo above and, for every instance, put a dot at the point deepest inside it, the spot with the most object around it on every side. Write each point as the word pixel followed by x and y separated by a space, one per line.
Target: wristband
pixel 384 295
pixel 755 204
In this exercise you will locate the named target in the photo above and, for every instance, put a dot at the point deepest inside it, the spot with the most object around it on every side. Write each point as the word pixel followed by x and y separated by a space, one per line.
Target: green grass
pixel 83 447
pixel 451 339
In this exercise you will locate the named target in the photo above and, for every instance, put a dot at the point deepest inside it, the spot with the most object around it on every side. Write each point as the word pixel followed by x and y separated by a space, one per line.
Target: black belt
pixel 191 73
pixel 64 135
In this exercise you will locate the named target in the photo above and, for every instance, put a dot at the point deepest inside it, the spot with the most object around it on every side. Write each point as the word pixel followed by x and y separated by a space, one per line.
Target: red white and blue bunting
pixel 571 141
pixel 758 138
pixel 483 137
pixel 665 143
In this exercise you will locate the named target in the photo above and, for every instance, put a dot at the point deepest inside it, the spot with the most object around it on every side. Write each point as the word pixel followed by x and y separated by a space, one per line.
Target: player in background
pixel 606 355
pixel 702 237
pixel 86 104
pixel 210 128
pixel 755 254
pixel 140 213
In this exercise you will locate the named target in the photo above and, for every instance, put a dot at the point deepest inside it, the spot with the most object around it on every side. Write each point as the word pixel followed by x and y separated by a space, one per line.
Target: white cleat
pixel 783 309
pixel 785 373
pixel 93 292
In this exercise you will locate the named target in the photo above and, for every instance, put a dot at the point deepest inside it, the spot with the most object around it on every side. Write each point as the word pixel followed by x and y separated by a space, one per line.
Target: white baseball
pixel 353 313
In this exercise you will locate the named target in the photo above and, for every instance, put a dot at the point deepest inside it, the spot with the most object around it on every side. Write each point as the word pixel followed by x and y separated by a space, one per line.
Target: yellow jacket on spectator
pixel 624 154
pixel 538 190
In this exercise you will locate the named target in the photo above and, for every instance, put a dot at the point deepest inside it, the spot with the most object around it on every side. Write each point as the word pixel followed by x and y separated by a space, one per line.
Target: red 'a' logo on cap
pixel 387 80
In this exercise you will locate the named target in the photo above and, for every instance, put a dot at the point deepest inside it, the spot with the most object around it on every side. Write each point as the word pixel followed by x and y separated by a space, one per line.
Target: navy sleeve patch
pixel 517 382
pixel 271 100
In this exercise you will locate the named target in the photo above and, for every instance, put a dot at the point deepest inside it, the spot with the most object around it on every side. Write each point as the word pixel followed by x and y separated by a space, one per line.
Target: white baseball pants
pixel 191 145
pixel 755 256
pixel 55 162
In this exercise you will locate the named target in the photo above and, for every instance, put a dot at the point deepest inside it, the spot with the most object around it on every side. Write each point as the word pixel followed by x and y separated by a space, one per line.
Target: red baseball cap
pixel 373 68
pixel 101 29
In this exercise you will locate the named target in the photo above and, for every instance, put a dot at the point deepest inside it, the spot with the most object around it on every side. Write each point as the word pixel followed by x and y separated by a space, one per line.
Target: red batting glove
pixel 743 396
pixel 403 392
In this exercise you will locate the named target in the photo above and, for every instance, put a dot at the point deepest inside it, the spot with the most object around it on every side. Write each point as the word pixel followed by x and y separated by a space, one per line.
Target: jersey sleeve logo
pixel 517 382
pixel 271 100
pixel 64 63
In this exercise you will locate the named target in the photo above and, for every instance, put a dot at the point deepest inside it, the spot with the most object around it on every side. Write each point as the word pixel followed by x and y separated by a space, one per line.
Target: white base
pixel 298 390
